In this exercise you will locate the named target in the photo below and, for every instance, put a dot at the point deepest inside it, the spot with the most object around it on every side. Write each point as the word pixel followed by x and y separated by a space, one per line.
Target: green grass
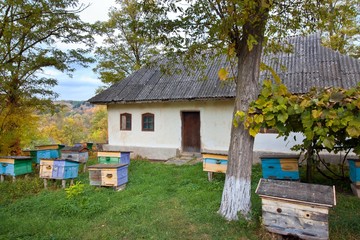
pixel 160 202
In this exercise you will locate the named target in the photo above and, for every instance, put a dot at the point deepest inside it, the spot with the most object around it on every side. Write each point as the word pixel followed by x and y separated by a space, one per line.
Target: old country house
pixel 159 116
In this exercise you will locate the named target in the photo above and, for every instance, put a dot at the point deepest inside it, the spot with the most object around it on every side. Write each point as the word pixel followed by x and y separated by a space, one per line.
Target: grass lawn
pixel 160 202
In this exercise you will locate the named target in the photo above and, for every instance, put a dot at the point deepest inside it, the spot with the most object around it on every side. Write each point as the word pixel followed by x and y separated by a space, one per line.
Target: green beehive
pixel 15 165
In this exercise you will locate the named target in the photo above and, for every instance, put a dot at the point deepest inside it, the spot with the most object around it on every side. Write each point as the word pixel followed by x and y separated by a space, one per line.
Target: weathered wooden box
pixel 113 157
pixel 15 165
pixel 76 153
pixel 110 175
pixel 58 168
pixel 280 167
pixel 297 209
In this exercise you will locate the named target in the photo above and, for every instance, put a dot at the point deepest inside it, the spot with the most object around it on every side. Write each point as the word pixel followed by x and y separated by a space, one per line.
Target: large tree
pixel 126 44
pixel 341 29
pixel 30 33
pixel 244 30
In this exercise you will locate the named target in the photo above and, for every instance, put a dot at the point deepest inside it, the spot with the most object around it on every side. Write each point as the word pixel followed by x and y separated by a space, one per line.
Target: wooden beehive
pixel 38 154
pixel 58 168
pixel 15 165
pixel 297 209
pixel 113 157
pixel 109 175
pixel 280 167
pixel 354 167
pixel 214 163
pixel 76 153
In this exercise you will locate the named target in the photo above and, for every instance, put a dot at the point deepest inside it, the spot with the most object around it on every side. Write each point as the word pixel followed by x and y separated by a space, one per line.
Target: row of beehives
pixel 290 207
pixel 59 162
pixel 280 167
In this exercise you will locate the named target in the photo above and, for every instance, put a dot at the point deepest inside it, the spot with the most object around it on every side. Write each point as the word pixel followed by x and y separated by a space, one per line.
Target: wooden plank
pixel 289 164
pixel 295 209
pixel 105 166
pixel 215 156
pixel 6 160
pixel 303 228
pixel 47 147
pixel 296 232
pixel 297 192
pixel 220 168
pixel 280 156
pixel 109 177
pixel 108 154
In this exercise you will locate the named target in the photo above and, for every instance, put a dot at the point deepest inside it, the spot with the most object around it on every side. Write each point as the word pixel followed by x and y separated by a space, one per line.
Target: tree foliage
pixel 327 117
pixel 29 35
pixel 126 45
pixel 341 29
pixel 69 127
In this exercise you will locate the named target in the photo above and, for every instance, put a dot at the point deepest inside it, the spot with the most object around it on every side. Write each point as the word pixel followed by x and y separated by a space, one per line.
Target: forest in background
pixel 69 123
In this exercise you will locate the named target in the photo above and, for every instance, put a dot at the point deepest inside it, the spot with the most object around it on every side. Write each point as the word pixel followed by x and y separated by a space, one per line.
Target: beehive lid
pixel 222 153
pixel 277 155
pixel 297 192
pixel 49 147
pixel 74 149
pixel 16 157
pixel 106 166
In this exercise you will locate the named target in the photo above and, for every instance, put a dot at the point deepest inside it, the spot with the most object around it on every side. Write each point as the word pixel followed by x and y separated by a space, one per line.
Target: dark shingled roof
pixel 310 65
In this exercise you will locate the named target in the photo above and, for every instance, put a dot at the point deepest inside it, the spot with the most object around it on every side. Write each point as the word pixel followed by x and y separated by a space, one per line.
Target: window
pixel 125 121
pixel 148 122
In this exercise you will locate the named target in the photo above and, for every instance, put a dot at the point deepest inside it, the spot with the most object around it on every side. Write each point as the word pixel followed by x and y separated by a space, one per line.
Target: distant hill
pixel 79 107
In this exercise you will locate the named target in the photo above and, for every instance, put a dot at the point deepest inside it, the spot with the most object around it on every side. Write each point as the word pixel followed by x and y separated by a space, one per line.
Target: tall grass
pixel 160 202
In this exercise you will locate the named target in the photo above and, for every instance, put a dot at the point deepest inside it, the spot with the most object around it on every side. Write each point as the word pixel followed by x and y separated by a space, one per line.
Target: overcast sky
pixel 84 82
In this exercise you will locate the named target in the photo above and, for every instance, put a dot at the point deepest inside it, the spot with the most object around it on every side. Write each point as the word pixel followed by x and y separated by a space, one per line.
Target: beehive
pixel 297 209
pixel 58 169
pixel 113 157
pixel 38 154
pixel 280 167
pixel 76 153
pixel 15 165
pixel 214 163
pixel 109 175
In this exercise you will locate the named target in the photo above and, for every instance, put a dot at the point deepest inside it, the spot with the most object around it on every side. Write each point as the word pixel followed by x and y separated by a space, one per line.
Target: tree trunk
pixel 236 193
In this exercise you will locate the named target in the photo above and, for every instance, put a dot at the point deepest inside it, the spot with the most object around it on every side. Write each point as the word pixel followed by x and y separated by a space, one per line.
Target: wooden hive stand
pixel 292 208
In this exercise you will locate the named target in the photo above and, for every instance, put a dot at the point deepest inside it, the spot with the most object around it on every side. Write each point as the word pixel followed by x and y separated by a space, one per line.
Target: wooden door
pixel 191 131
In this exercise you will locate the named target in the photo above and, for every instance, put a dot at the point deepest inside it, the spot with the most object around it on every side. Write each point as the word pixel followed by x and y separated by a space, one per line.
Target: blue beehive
pixel 58 168
pixel 15 165
pixel 354 165
pixel 280 167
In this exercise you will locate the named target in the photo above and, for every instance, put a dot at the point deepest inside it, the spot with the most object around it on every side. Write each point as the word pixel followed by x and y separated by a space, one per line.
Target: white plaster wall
pixel 215 118
pixel 165 141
